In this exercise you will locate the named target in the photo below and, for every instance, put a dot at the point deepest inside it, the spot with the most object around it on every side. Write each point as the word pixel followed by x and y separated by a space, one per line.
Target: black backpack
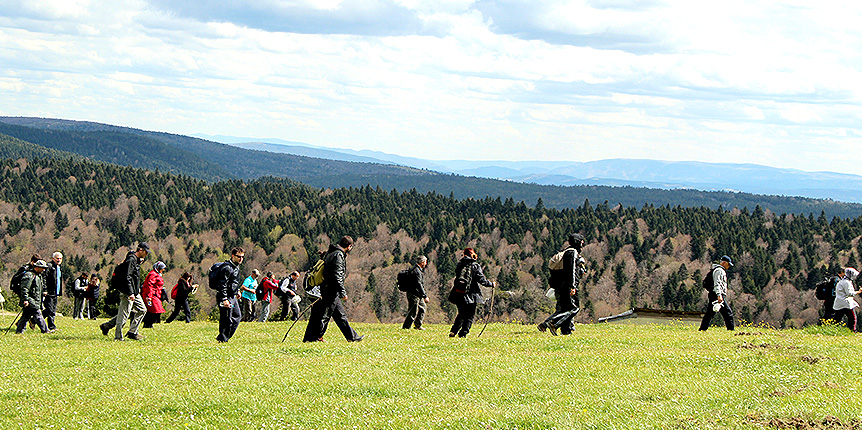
pixel 402 280
pixel 825 289
pixel 463 278
pixel 15 282
pixel 709 281
pixel 213 273
pixel 259 291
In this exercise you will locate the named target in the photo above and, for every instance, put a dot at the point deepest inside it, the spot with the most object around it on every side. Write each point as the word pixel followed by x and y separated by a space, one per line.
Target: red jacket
pixel 151 292
pixel 269 285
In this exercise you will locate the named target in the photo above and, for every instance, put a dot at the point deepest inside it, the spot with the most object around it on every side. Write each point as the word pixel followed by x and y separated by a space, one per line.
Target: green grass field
pixel 513 377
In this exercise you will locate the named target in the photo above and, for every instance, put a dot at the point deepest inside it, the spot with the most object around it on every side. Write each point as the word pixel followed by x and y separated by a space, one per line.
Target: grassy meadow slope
pixel 513 377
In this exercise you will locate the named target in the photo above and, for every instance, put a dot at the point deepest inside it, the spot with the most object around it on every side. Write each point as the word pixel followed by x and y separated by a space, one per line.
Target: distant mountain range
pixel 668 175
pixel 330 168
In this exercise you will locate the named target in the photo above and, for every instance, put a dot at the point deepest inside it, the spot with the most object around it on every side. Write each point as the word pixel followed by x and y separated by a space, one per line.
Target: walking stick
pixel 13 321
pixel 298 317
pixel 490 312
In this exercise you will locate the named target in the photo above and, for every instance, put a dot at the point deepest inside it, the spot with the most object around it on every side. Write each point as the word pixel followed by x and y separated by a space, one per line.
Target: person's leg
pixel 26 314
pixel 313 331
pixel 470 315
pixel 727 314
pixel 187 310
pixel 420 314
pixel 235 318
pixel 50 305
pixel 123 311
pixel 339 316
pixel 412 311
pixel 140 311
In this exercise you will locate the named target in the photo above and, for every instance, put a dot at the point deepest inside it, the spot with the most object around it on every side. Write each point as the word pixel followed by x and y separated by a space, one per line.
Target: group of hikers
pixel 38 284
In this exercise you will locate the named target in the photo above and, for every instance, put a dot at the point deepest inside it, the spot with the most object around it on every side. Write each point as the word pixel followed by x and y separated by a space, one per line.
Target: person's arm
pixel 339 266
pixel 479 276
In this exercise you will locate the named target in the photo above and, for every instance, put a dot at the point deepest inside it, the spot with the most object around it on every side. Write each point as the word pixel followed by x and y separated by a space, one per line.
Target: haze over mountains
pixel 748 178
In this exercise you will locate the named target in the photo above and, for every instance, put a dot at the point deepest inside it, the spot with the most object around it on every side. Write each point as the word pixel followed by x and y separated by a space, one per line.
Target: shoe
pixel 543 327
pixel 358 339
pixel 51 331
pixel 419 328
pixel 32 325
pixel 553 330
pixel 105 330
pixel 118 339
pixel 134 336
pixel 451 334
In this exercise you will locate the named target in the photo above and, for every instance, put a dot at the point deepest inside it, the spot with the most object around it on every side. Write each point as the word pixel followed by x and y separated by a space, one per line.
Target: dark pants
pixel 415 311
pixel 850 314
pixel 325 309
pixel 726 313
pixel 49 310
pixel 464 319
pixel 828 312
pixel 228 320
pixel 27 314
pixel 180 305
pixel 294 309
pixel 248 312
pixel 564 312
pixel 92 313
pixel 151 318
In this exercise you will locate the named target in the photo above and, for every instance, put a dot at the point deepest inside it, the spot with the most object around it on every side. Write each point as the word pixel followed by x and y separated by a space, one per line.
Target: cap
pixel 727 259
pixel 145 246
pixel 41 263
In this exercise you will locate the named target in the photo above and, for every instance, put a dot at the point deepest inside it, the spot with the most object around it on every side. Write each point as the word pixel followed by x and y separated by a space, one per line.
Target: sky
pixel 777 83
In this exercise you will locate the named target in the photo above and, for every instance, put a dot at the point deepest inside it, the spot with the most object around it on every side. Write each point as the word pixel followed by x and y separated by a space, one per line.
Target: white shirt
pixel 844 293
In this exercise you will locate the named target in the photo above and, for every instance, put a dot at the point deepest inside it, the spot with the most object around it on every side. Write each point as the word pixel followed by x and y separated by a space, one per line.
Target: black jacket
pixel 334 273
pixel 50 275
pixel 477 278
pixel 416 286
pixel 566 278
pixel 183 290
pixel 128 276
pixel 227 281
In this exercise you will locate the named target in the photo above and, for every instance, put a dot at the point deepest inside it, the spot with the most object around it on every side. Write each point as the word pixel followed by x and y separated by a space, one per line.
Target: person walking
pixel 828 294
pixel 332 295
pixel 92 295
pixel 53 290
pixel 467 294
pixel 268 285
pixel 79 292
pixel 287 293
pixel 566 269
pixel 249 295
pixel 845 305
pixel 32 285
pixel 417 299
pixel 127 280
pixel 152 290
pixel 226 283
pixel 185 288
pixel 717 297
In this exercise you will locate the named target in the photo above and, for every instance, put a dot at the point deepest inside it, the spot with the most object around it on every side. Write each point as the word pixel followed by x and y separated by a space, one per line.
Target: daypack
pixel 174 291
pixel 463 278
pixel 15 283
pixel 402 280
pixel 259 291
pixel 213 273
pixel 556 261
pixel 825 289
pixel 709 281
pixel 314 277
pixel 283 284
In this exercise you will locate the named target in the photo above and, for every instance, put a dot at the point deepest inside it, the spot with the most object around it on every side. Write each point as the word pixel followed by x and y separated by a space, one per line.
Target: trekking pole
pixel 14 320
pixel 490 312
pixel 298 317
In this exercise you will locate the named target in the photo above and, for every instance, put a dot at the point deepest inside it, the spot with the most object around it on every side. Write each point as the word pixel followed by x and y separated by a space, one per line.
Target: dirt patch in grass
pixel 751 345
pixel 796 423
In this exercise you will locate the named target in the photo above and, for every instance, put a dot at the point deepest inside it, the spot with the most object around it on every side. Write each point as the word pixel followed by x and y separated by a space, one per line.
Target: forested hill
pixel 213 161
pixel 645 257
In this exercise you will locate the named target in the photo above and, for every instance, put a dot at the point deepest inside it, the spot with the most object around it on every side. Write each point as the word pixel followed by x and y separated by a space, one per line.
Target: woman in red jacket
pixel 151 292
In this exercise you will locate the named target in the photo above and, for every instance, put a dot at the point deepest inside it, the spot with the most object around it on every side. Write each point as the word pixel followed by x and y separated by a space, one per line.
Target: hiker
pixel 53 290
pixel 32 287
pixel 567 267
pixel 154 287
pixel 717 297
pixel 79 292
pixel 266 287
pixel 825 290
pixel 92 295
pixel 329 306
pixel 845 305
pixel 225 280
pixel 127 281
pixel 249 295
pixel 184 288
pixel 467 294
pixel 416 297
pixel 287 293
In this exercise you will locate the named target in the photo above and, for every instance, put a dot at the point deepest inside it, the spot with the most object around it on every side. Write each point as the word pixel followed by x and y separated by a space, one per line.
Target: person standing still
pixel 845 305
pixel 53 289
pixel 226 284
pixel 417 299
pixel 718 295
pixel 79 292
pixel 288 295
pixel 249 295
pixel 127 280
pixel 269 285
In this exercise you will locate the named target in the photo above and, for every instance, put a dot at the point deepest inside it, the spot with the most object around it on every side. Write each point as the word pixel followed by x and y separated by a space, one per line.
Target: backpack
pixel 278 291
pixel 174 291
pixel 214 269
pixel 709 281
pixel 825 289
pixel 463 278
pixel 15 283
pixel 314 277
pixel 259 291
pixel 402 280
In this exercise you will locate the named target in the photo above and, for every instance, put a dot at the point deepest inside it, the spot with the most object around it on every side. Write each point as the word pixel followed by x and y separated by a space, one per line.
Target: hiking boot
pixel 105 330
pixel 134 336
pixel 32 325
pixel 553 330
pixel 419 328
pixel 358 339
pixel 542 327
pixel 452 334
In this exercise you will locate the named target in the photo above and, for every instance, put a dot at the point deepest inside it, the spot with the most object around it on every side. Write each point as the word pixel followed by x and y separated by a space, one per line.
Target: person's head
pixel 186 276
pixel 57 258
pixel 94 280
pixel 255 274
pixel 85 275
pixel 470 253
pixel 422 261
pixel 159 267
pixel 269 275
pixel 851 273
pixel 34 258
pixel 294 275
pixel 725 262
pixel 143 250
pixel 346 243
pixel 40 266
pixel 237 255
pixel 576 241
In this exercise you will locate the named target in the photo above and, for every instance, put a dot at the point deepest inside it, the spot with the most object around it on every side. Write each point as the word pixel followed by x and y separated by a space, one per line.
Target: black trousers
pixel 228 320
pixel 726 313
pixel 288 308
pixel 27 314
pixel 151 318
pixel 464 319
pixel 328 308
pixel 180 305
pixel 49 310
pixel 564 313
pixel 850 314
pixel 828 312
pixel 92 313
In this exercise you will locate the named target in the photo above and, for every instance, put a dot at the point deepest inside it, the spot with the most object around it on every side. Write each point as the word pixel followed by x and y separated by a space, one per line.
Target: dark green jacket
pixel 32 286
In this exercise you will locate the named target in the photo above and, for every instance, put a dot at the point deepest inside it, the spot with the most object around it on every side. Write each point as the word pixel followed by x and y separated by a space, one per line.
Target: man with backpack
pixel 264 295
pixel 31 288
pixel 717 296
pixel 127 281
pixel 567 267
pixel 331 290
pixel 825 290
pixel 412 282
pixel 224 279
pixel 286 292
